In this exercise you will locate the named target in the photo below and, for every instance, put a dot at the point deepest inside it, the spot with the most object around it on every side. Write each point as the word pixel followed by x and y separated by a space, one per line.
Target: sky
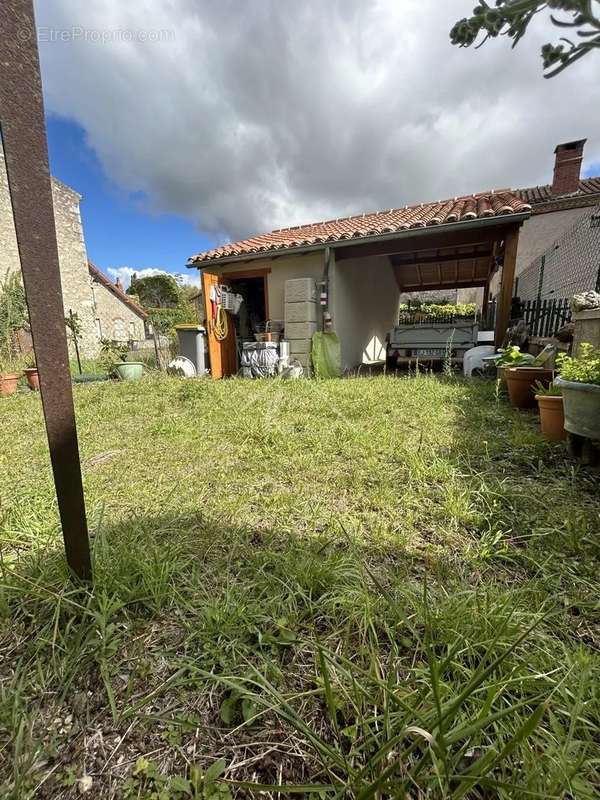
pixel 188 123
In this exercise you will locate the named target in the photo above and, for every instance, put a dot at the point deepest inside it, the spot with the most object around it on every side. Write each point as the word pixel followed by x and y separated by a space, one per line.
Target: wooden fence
pixel 545 317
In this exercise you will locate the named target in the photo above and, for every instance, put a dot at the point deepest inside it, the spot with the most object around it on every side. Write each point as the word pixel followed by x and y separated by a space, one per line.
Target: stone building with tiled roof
pixel 104 310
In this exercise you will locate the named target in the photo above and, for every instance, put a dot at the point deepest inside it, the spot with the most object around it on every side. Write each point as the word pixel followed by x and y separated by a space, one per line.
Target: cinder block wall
pixel 301 314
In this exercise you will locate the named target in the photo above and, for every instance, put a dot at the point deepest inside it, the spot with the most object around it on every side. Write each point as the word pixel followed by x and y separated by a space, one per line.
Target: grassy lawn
pixel 361 588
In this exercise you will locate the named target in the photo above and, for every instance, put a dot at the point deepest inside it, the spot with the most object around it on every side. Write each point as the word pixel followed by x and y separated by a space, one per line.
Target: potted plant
pixel 512 357
pixel 114 355
pixel 552 417
pixel 580 383
pixel 32 375
pixel 8 377
pixel 522 372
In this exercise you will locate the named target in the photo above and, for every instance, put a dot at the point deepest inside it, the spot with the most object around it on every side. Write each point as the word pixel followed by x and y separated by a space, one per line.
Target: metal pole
pixel 26 153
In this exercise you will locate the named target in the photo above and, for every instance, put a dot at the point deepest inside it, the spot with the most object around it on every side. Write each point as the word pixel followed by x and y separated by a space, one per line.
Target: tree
pixel 512 17
pixel 155 291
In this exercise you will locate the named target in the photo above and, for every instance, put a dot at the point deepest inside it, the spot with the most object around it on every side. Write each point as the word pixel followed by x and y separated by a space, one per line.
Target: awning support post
pixel 511 244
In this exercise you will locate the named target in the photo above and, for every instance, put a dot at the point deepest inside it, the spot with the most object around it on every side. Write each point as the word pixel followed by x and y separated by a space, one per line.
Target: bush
pixel 582 368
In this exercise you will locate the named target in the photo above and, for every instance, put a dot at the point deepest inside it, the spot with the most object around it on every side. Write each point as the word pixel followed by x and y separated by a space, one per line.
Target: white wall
pixel 284 268
pixel 364 305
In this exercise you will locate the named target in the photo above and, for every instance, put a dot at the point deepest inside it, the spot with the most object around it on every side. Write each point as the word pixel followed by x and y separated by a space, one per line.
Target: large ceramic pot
pixel 130 370
pixel 520 382
pixel 552 417
pixel 582 408
pixel 8 384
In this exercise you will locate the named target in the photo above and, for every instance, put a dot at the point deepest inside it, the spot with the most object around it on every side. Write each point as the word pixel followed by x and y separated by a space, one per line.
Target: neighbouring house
pixel 104 310
pixel 116 315
pixel 361 265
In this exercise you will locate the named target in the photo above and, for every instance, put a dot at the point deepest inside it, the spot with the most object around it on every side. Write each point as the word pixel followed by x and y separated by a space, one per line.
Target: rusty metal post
pixel 26 153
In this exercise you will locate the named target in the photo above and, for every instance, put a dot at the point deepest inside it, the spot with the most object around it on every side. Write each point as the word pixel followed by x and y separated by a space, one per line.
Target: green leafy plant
pixel 582 368
pixel 547 391
pixel 513 357
pixel 512 18
pixel 13 317
pixel 111 354
pixel 436 310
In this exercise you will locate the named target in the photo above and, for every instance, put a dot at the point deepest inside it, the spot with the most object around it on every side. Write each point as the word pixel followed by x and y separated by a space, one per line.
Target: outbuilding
pixel 359 266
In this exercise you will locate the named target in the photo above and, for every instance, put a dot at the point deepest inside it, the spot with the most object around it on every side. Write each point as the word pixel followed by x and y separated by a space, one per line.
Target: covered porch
pixel 367 277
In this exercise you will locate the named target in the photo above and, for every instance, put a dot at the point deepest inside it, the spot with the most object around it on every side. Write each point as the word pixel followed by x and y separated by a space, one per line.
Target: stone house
pixel 358 267
pixel 103 308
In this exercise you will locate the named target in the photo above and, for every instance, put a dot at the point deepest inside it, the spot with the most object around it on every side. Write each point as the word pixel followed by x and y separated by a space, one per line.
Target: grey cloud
pixel 270 113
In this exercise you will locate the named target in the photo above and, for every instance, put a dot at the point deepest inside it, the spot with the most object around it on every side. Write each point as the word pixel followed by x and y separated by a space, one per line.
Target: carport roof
pixel 472 207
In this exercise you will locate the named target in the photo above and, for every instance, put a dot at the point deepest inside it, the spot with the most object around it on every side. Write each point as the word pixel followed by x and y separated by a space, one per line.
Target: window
pixel 99 329
pixel 132 330
pixel 595 221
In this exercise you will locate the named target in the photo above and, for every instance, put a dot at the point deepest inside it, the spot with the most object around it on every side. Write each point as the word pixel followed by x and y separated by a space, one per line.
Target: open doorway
pixel 253 312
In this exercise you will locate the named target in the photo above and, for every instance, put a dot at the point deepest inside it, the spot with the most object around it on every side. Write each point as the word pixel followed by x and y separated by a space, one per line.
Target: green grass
pixel 362 588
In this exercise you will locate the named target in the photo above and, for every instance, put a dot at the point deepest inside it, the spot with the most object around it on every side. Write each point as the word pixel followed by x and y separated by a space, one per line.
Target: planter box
pixel 587 328
pixel 582 408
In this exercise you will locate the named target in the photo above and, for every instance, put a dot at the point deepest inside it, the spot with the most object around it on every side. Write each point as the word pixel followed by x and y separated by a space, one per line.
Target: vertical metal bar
pixel 541 278
pixel 26 153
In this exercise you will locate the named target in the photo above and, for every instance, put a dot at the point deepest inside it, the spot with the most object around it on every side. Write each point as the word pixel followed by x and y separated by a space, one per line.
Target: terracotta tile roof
pixel 118 292
pixel 459 209
pixel 542 199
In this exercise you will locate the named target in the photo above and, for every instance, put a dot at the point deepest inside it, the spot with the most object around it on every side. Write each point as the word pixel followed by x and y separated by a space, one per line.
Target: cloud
pixel 249 116
pixel 124 274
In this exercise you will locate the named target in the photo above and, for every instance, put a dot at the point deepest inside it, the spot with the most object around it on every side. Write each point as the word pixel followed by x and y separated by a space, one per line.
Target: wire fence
pixel 570 266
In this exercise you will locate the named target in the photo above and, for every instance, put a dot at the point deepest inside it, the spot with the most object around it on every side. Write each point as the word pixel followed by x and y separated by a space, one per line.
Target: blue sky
pixel 118 231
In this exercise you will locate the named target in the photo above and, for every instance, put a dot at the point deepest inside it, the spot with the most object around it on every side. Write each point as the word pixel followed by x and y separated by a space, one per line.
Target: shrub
pixel 582 368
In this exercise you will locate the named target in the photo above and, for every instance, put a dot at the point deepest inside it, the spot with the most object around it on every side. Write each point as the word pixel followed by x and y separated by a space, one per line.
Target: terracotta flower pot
pixel 552 417
pixel 33 378
pixel 520 383
pixel 8 384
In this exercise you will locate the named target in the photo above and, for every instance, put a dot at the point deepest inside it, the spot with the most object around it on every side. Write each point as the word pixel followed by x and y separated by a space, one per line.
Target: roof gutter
pixel 409 233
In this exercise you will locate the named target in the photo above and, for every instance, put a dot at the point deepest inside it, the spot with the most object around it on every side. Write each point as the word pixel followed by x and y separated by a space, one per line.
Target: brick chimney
pixel 567 167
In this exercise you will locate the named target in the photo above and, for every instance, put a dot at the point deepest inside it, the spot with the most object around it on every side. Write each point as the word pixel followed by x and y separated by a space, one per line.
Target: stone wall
pixel 72 254
pixel 113 319
pixel 9 252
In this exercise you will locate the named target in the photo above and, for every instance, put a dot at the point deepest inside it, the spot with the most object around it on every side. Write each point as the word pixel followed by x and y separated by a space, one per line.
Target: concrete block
pixel 300 330
pixel 300 312
pixel 299 347
pixel 300 290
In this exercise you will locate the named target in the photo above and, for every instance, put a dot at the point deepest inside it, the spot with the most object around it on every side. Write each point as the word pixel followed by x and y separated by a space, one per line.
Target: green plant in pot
pixel 552 417
pixel 579 381
pixel 512 357
pixel 114 355
pixel 522 375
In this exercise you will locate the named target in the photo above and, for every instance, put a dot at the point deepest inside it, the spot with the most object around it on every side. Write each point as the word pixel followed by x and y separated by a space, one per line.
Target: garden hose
pixel 220 323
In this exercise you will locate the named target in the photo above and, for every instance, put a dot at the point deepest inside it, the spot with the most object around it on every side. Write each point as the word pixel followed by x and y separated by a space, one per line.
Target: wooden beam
pixel 432 241
pixel 404 261
pixel 426 287
pixel 511 244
